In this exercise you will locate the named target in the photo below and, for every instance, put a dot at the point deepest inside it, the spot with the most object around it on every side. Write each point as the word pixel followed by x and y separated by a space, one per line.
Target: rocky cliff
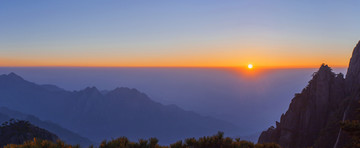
pixel 314 114
pixel 353 73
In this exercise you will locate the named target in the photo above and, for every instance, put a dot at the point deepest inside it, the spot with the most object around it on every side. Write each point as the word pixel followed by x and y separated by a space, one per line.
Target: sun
pixel 250 66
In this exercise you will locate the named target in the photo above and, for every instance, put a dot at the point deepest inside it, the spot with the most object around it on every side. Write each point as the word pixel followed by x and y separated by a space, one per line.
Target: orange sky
pixel 270 57
pixel 267 62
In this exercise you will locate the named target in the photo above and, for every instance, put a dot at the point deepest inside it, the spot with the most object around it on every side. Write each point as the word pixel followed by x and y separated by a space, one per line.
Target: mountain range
pixel 100 115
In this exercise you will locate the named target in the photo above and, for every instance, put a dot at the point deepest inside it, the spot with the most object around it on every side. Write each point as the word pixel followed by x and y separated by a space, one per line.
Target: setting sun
pixel 250 66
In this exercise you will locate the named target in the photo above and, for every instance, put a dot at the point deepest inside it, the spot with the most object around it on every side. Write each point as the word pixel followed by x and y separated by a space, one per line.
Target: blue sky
pixel 177 33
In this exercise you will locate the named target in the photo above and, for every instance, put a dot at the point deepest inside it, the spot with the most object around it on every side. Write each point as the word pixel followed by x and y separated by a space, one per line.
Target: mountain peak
pixel 91 90
pixel 12 76
pixel 124 90
pixel 324 68
pixel 324 72
pixel 121 88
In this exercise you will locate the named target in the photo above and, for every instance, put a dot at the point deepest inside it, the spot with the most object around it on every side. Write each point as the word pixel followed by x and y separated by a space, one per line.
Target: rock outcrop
pixel 314 114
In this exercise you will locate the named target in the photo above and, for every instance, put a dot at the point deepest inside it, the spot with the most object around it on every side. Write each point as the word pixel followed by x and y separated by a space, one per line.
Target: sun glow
pixel 250 66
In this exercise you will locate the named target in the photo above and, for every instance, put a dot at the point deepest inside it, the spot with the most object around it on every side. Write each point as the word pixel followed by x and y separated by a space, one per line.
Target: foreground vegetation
pixel 216 141
pixel 352 128
pixel 36 143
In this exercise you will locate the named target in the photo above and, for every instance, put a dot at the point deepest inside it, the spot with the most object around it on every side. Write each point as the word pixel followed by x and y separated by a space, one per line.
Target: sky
pixel 186 33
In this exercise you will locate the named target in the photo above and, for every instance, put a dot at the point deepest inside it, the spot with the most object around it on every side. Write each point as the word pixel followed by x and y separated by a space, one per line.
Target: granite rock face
pixel 314 114
pixel 353 73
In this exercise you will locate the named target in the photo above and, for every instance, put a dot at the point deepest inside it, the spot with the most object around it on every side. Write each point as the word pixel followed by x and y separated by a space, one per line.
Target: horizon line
pixel 236 67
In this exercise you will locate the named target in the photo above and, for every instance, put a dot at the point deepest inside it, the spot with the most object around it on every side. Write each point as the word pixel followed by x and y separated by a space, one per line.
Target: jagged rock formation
pixel 314 114
pixel 17 132
pixel 309 111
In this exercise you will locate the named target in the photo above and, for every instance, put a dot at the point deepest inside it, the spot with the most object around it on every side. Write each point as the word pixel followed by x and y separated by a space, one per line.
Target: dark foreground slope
pixel 17 132
pixel 99 116
pixel 64 134
pixel 215 141
pixel 314 115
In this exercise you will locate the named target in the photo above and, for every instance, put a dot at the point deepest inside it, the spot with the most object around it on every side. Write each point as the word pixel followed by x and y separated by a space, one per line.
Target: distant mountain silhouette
pixel 106 114
pixel 64 134
pixel 314 115
pixel 20 131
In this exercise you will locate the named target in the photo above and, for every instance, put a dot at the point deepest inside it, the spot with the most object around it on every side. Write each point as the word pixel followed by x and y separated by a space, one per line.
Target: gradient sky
pixel 190 33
